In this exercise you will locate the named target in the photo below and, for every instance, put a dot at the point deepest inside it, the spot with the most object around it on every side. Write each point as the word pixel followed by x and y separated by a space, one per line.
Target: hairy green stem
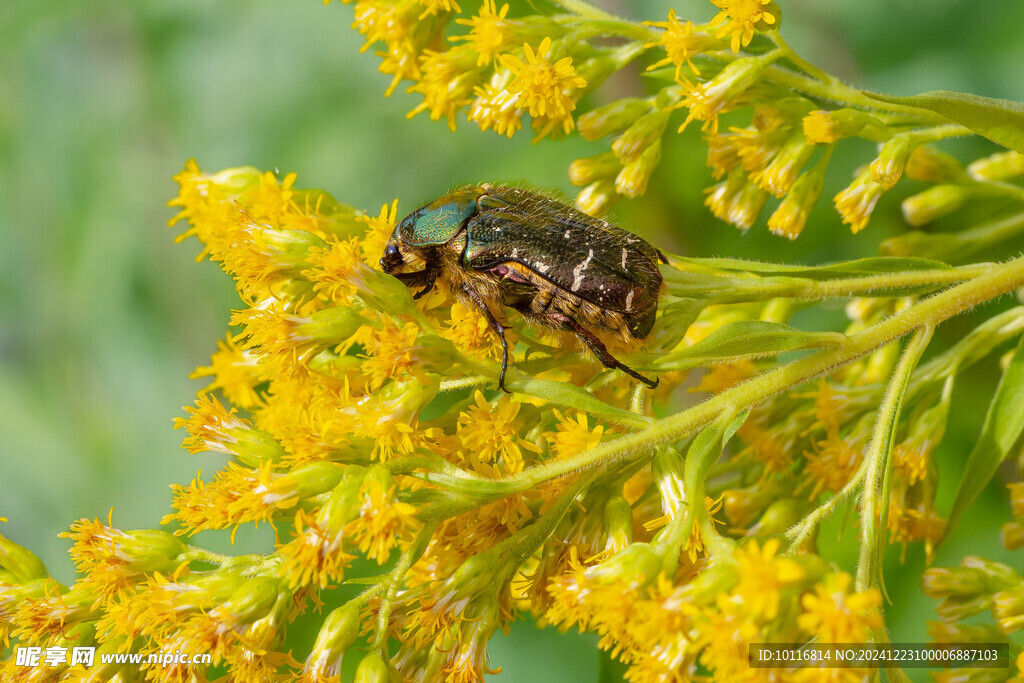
pixel 999 280
pixel 394 580
pixel 876 460
pixel 588 11
pixel 794 287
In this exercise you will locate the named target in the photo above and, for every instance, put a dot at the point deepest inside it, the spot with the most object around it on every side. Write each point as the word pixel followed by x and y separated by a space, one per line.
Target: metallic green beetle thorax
pixel 437 222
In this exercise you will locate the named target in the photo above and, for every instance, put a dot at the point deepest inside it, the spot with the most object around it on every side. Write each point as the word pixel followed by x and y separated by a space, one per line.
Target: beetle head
pixel 392 258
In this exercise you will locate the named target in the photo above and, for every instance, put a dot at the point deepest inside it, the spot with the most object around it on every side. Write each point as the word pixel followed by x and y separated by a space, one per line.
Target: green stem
pixel 394 580
pixel 798 61
pixel 194 554
pixel 998 280
pixel 837 91
pixel 798 534
pixel 877 459
pixel 587 11
pixel 739 290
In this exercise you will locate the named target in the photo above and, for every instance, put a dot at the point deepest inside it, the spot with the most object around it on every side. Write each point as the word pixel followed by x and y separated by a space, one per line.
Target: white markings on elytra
pixel 623 259
pixel 577 272
pixel 629 300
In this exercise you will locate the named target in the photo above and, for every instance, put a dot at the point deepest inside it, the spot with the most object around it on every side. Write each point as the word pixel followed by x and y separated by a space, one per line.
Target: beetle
pixel 505 246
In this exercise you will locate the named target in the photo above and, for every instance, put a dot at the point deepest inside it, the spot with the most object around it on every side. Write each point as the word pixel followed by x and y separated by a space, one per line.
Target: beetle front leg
pixel 421 278
pixel 498 328
pixel 601 351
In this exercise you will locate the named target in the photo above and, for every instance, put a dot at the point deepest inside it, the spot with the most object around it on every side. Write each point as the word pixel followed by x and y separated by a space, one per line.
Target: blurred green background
pixel 103 317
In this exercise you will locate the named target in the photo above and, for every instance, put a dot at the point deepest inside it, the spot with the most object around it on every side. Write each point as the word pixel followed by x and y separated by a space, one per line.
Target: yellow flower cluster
pixel 363 426
pixel 506 67
pixel 667 631
pixel 332 426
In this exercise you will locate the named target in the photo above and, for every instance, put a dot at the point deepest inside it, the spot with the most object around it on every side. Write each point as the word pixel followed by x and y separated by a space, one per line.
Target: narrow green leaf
pixel 703 452
pixel 876 265
pixel 1001 121
pixel 572 396
pixel 748 339
pixel 1003 425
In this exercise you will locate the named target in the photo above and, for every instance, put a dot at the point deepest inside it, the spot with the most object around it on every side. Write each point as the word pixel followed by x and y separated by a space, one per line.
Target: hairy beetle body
pixel 504 246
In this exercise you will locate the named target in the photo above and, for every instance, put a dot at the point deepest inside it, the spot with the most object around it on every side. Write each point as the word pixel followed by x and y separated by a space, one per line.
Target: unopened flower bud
pixel 935 202
pixel 337 634
pixel 1009 610
pixel 778 176
pixel 595 199
pixel 373 669
pixel 780 114
pixel 790 218
pixel 641 135
pixel 632 179
pixel 618 521
pixel 710 99
pixel 932 166
pixel 887 169
pixel 254 599
pixel 637 565
pixel 825 127
pixel 780 515
pixel 306 481
pixel 667 469
pixel 743 505
pixel 21 563
pixel 998 166
pixel 591 169
pixel 856 202
pixel 612 117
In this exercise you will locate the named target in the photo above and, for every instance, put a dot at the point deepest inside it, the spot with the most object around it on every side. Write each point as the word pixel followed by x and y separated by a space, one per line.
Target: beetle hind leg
pixel 598 348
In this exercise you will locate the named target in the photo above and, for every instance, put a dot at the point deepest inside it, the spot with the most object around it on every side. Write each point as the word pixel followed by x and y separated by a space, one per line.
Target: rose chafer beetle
pixel 504 246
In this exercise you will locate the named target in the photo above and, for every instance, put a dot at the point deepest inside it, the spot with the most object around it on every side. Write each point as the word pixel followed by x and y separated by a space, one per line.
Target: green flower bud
pixel 825 127
pixel 150 549
pixel 337 634
pixel 332 326
pixel 22 564
pixel 254 599
pixel 289 247
pixel 618 521
pixel 373 669
pixel 781 172
pixel 632 179
pixel 667 468
pixel 998 166
pixel 595 199
pixel 637 565
pixel 933 203
pixel 641 135
pixel 887 169
pixel 933 166
pixel 1009 610
pixel 592 169
pixel 612 117
pixel 790 218
pixel 308 480
pixel 780 515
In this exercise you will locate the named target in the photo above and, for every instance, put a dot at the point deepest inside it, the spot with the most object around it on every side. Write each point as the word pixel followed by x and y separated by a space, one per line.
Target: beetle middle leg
pixel 498 328
pixel 598 348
